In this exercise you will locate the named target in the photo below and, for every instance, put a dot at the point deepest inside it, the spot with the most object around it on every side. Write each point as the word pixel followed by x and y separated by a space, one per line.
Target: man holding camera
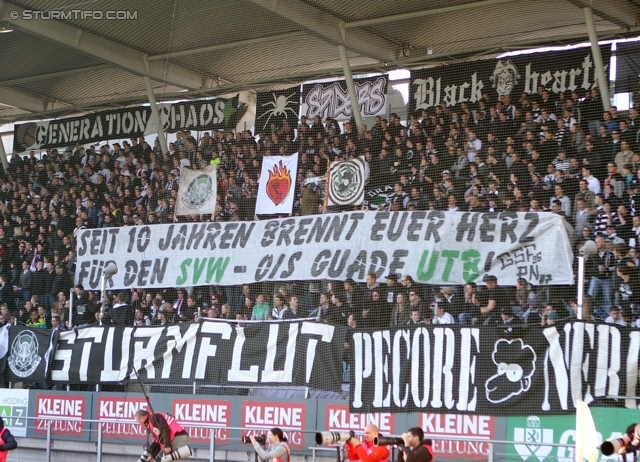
pixel 416 448
pixel 366 451
pixel 167 432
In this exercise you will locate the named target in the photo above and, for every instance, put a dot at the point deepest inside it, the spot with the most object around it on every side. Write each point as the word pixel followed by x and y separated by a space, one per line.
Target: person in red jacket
pixel 366 451
pixel 7 441
pixel 167 432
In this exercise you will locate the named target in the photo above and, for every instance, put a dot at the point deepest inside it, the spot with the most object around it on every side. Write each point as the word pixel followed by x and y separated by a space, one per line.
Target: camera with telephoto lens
pixel 333 437
pixel 613 445
pixel 388 441
pixel 150 453
pixel 247 440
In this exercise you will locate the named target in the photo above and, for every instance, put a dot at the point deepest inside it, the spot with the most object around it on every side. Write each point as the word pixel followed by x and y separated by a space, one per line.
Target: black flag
pixel 274 107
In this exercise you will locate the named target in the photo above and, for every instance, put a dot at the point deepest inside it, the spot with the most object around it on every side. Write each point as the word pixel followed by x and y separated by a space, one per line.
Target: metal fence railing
pixel 491 453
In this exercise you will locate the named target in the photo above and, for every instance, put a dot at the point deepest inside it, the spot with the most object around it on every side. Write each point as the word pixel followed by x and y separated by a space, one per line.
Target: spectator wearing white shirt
pixel 564 200
pixel 615 316
pixel 592 182
pixel 184 161
pixel 443 316
pixel 474 146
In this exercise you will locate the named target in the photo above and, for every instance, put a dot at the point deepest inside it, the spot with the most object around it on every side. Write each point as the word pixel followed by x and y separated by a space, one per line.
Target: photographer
pixel 7 441
pixel 166 431
pixel 366 451
pixel 633 432
pixel 416 448
pixel 278 449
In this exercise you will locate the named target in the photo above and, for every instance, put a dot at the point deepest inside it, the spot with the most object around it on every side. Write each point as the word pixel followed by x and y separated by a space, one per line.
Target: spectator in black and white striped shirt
pixel 561 162
pixel 605 217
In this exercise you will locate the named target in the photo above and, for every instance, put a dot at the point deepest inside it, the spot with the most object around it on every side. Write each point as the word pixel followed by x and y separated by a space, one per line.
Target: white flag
pixel 277 185
pixel 197 192
pixel 345 184
pixel 4 340
pixel 587 441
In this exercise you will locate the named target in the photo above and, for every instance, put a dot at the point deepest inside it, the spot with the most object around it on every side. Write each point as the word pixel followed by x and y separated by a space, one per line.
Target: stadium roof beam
pixel 603 82
pixel 51 75
pixel 613 14
pixel 539 42
pixel 122 56
pixel 22 100
pixel 326 27
pixel 422 13
pixel 226 46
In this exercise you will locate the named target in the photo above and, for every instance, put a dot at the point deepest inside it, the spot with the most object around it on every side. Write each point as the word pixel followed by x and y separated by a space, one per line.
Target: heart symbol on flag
pixel 279 184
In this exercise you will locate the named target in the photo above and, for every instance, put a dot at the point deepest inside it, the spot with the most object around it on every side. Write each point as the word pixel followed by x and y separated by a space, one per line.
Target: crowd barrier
pixel 218 423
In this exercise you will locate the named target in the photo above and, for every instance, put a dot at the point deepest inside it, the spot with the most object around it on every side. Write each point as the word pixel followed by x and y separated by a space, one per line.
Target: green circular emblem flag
pixel 346 184
pixel 199 192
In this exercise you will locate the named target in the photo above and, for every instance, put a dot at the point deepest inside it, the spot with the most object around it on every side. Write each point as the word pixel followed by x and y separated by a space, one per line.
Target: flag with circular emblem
pixel 345 183
pixel 197 192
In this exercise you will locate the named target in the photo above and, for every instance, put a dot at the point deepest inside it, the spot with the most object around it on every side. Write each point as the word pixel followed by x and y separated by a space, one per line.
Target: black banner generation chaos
pixel 557 71
pixel 127 123
pixel 484 370
pixel 433 247
pixel 273 354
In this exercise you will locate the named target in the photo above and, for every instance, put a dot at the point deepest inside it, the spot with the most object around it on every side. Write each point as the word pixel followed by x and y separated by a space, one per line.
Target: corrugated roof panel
pixel 24 55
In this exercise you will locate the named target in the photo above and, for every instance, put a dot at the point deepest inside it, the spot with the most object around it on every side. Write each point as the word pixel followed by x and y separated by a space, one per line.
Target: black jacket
pixel 61 283
pixel 120 314
pixel 9 441
pixel 39 282
pixel 420 454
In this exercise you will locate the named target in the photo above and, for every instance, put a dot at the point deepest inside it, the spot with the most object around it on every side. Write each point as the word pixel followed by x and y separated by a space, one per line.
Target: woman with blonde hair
pixel 401 313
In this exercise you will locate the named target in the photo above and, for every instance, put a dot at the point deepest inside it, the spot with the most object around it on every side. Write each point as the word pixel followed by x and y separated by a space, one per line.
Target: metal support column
pixel 3 156
pixel 346 69
pixel 603 81
pixel 212 445
pixel 99 443
pixel 580 297
pixel 48 453
pixel 155 114
pixel 71 293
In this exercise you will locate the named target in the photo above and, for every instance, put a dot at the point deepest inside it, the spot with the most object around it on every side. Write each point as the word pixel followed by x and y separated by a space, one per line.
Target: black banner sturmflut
pixel 258 354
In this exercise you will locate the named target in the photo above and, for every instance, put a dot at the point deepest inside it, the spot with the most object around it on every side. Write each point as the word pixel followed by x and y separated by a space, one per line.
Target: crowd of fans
pixel 560 154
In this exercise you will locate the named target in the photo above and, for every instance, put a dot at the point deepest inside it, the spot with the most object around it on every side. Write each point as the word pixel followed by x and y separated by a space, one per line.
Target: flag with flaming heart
pixel 277 185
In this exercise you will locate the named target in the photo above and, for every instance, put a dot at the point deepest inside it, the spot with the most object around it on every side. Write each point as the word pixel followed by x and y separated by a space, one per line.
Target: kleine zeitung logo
pixel 120 412
pixel 262 416
pixel 456 428
pixel 207 415
pixel 65 411
pixel 338 418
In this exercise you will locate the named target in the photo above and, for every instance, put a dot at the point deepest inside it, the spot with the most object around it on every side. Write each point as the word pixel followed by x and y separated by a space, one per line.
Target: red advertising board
pixel 207 415
pixel 290 417
pixel 67 410
pixel 338 418
pixel 458 428
pixel 118 412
